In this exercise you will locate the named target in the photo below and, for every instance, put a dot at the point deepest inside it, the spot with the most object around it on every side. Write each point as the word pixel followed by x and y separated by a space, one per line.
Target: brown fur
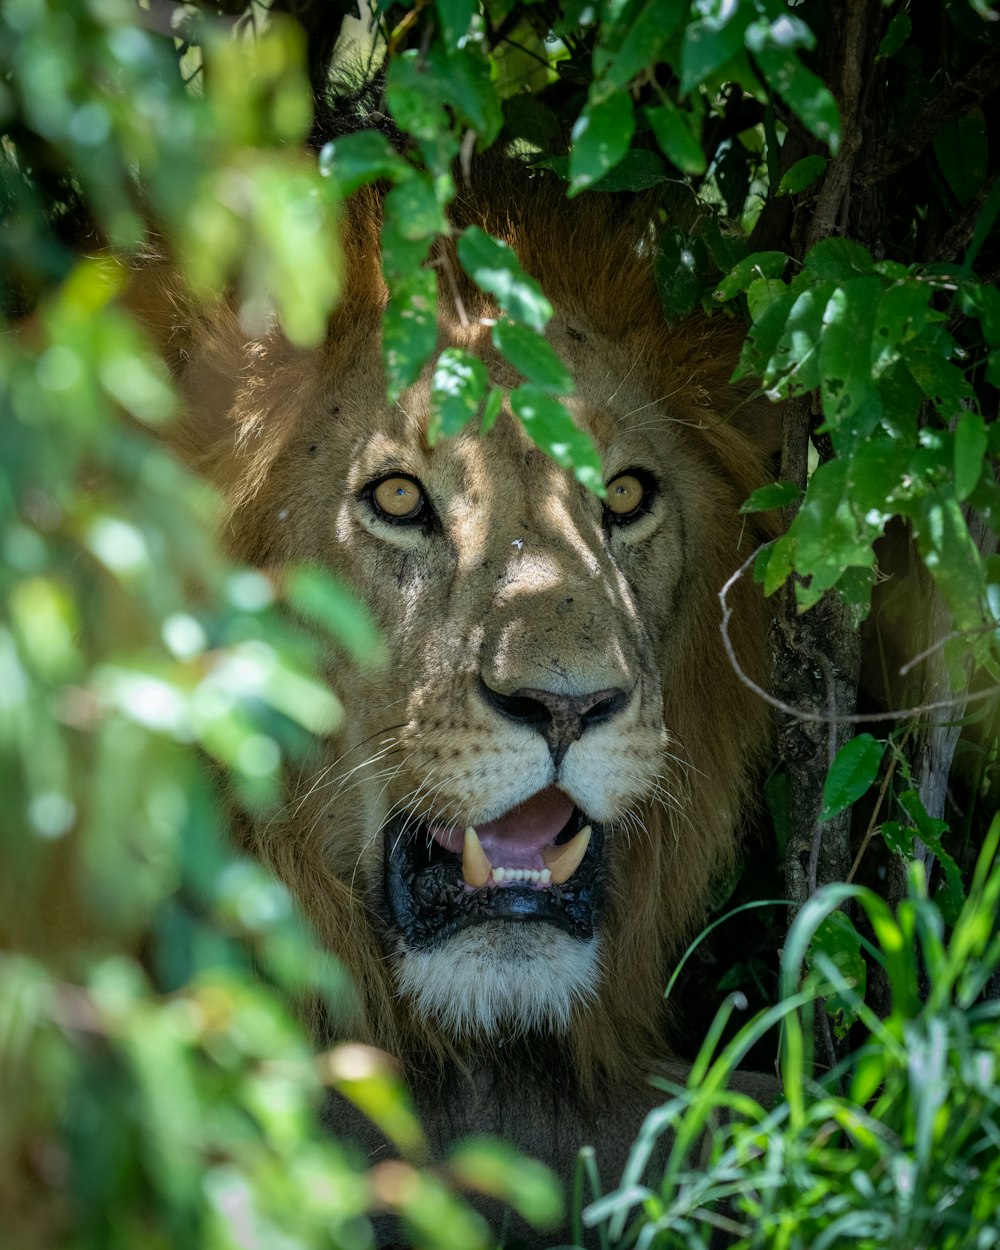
pixel 254 409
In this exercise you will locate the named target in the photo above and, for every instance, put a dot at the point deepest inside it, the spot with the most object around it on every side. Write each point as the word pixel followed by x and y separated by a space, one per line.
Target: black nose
pixel 560 718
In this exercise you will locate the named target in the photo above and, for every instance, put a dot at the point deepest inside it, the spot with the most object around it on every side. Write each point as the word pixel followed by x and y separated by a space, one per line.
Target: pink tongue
pixel 516 839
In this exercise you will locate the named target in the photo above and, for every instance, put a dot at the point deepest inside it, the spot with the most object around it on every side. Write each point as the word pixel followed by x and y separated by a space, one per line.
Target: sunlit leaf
pixel 458 386
pixel 553 429
pixel 494 267
pixel 533 356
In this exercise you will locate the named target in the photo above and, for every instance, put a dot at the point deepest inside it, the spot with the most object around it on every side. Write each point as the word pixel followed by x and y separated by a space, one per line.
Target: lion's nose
pixel 560 718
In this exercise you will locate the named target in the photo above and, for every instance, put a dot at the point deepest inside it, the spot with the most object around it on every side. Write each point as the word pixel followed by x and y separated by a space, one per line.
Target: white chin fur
pixel 501 977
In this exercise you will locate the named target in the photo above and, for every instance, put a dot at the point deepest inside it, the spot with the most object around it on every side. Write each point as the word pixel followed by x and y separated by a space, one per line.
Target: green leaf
pixel 749 269
pixel 793 367
pixel 638 170
pixel 413 218
pixel 971 441
pixel 962 151
pixel 678 132
pixel 726 249
pixel 409 329
pixel 491 409
pixel 830 534
pixel 839 260
pixel 316 594
pixel 902 314
pixel 806 94
pixel 846 388
pixel 361 158
pixel 636 39
pixel 951 555
pixel 780 564
pixel 943 383
pixel 951 893
pixel 897 33
pixel 763 338
pixel 762 293
pixel 412 97
pixel 776 495
pixel 533 356
pixel 600 138
pixel 854 769
pixel 494 267
pixel 838 939
pixel 455 17
pixel 802 174
pixel 555 432
pixel 710 42
pixel 458 386
pixel 680 270
pixel 462 80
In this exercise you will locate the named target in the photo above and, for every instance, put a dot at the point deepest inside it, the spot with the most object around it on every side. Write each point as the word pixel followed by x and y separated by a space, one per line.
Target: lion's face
pixel 520 817
pixel 494 776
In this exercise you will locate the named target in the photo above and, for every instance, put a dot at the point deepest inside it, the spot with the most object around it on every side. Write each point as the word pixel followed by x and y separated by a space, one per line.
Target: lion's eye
pixel 629 496
pixel 399 499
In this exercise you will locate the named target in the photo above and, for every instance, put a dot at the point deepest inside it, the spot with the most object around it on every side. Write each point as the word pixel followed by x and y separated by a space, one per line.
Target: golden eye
pixel 398 498
pixel 626 494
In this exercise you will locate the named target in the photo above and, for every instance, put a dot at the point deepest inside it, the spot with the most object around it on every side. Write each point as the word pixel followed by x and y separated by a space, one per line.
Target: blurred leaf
pixel 494 267
pixel 491 409
pixel 458 387
pixel 709 42
pixel 317 594
pixel 495 1169
pixel 409 329
pixel 357 159
pixel 369 1079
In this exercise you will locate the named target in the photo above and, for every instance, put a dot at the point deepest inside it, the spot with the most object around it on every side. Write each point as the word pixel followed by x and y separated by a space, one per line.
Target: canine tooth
pixel 563 861
pixel 476 868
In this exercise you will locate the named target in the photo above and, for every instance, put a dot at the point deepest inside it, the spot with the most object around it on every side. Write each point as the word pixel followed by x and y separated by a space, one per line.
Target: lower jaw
pixel 505 979
pixel 426 901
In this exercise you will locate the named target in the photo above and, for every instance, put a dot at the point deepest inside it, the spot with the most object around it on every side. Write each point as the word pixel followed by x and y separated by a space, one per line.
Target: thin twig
pixel 870 831
pixel 857 718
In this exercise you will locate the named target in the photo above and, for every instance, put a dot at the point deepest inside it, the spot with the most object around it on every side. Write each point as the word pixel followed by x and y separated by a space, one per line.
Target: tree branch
pixel 904 146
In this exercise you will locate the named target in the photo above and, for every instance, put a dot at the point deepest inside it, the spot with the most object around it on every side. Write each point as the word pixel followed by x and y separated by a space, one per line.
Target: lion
pixel 519 821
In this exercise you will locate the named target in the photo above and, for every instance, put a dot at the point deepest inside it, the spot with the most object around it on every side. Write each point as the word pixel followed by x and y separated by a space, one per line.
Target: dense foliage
pixel 824 171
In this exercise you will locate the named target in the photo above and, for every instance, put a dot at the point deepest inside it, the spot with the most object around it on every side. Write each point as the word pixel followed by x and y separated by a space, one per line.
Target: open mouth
pixel 541 861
